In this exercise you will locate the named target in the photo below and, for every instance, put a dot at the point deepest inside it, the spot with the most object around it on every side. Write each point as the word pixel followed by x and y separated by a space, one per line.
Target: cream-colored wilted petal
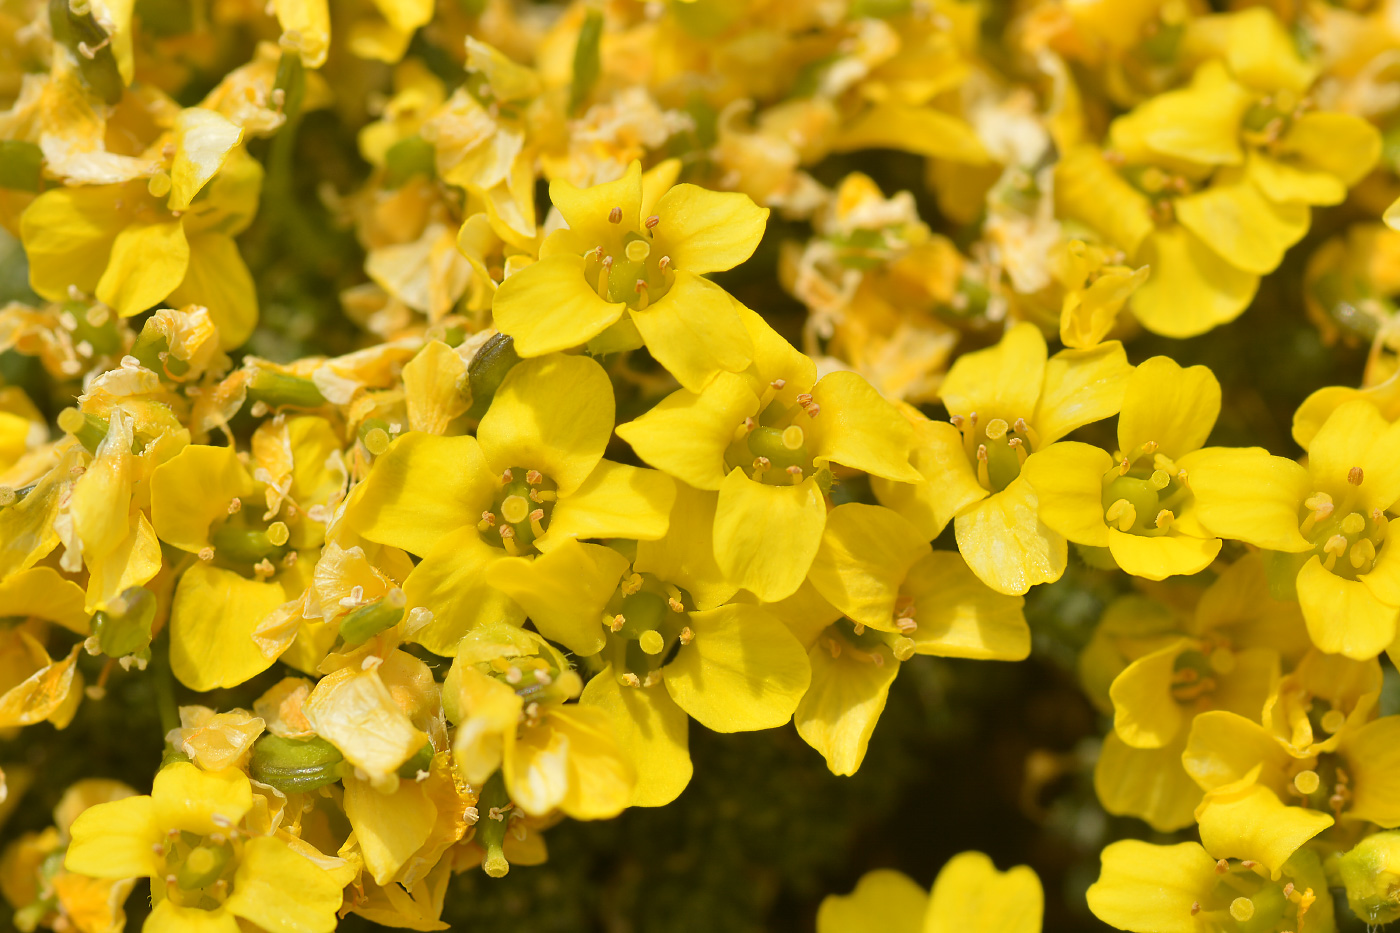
pixel 355 712
pixel 215 741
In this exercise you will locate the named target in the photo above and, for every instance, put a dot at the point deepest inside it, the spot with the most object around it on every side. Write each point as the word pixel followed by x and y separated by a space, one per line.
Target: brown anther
pixel 618 621
pixel 750 424
pixel 956 421
pixel 631 679
pixel 777 384
pixel 534 477
pixel 1222 867
pixel 507 477
pixel 1195 908
pixel 235 505
pixel 652 221
pixel 663 264
pixel 206 554
pixel 687 636
pixel 489 518
pixel 1019 426
pixel 507 531
pixel 982 452
pixel 1354 476
pixel 537 515
pixel 615 215
pixel 675 604
pixel 804 399
pixel 1288 890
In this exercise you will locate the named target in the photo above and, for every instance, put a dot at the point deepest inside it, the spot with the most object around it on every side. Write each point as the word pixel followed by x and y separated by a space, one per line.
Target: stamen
pixel 642 297
pixel 615 215
pixel 508 541
pixel 663 265
pixel 631 679
pixel 1150 448
pixel 687 636
pixel 1124 467
pixel 632 584
pixel 1354 476
pixel 1195 908
pixel 652 221
pixel 777 384
pixel 983 476
pixel 1165 518
pixel 794 474
pixel 488 521
pixel 675 604
pixel 235 505
pixel 1362 554
pixel 534 477
pixel 1123 514
pixel 537 522
pixel 1222 867
pixel 617 622
pixel 760 466
pixel 604 279
pixel 507 477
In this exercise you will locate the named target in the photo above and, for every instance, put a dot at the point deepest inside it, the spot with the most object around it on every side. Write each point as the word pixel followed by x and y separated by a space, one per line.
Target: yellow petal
pixel 971 896
pixel 587 209
pixel 421 490
pixel 949 480
pixel 1148 783
pixel 148 261
pixel 564 591
pixel 616 501
pixel 115 839
pixel 282 891
pixel 1143 887
pixel 1068 481
pixel 68 235
pixel 884 901
pixel 355 712
pixel 1223 747
pixel 549 306
pixel 958 616
pixel 1373 754
pixel 743 671
pixel 193 489
pixel 1145 714
pixel 652 732
pixel 685 555
pixel 1344 616
pixel 553 414
pixel 390 827
pixel 1342 144
pixel 1081 387
pixel 920 130
pixel 1356 435
pixel 1007 545
pixel 431 384
pixel 1191 288
pixel 1003 381
pixel 1165 403
pixel 766 536
pixel 707 231
pixel 212 620
pixel 568 761
pixel 203 139
pixel 839 711
pixel 866 551
pixel 451 582
pixel 1283 182
pixel 169 917
pixel 1247 821
pixel 41 592
pixel 218 278
pixel 200 802
pixel 1200 123
pixel 1245 228
pixel 310 21
pixel 1249 495
pixel 1161 556
pixel 695 331
pixel 1262 52
pixel 856 427
pixel 1089 190
pixel 686 434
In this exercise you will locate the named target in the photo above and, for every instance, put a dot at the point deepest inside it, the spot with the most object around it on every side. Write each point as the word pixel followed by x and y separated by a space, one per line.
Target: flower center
pixel 1244 900
pixel 244 542
pixel 1143 494
pixel 630 269
pixel 775 449
pixel 646 621
pixel 1347 542
pixel 996 449
pixel 199 869
pixel 865 645
pixel 1326 786
pixel 520 512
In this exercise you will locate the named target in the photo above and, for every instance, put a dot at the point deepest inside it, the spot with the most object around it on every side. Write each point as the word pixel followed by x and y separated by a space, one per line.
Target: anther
pixel 534 477
pixel 507 477
pixel 777 384
pixel 1149 448
pixel 488 521
pixel 617 622
pixel 652 221
pixel 514 675
pixel 206 554
pixel 1288 890
pixel 663 265
pixel 687 636
pixel 631 679
pixel 956 421
pixel 794 474
pixel 1354 476
pixel 760 466
pixel 632 583
pixel 1195 908
pixel 234 505
pixel 615 215
pixel 537 522
pixel 675 604
pixel 1222 867
pixel 1124 467
pixel 643 298
pixel 1362 554
pixel 1123 514
pixel 1165 519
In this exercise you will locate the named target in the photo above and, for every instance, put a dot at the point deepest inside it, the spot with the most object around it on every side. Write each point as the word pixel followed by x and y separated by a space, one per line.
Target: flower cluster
pixel 380 395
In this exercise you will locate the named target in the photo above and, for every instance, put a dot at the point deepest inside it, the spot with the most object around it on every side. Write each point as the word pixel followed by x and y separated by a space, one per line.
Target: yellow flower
pixel 1327 521
pixel 899 598
pixel 1148 888
pixel 140 243
pixel 205 872
pixel 1007 402
pixel 511 713
pixel 532 478
pixel 766 442
pixel 969 895
pixel 1096 288
pixel 1136 503
pixel 630 247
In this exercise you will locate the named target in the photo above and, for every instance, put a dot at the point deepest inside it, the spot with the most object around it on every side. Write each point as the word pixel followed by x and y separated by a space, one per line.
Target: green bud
pixel 365 622
pixel 241 545
pixel 279 390
pixel 487 369
pixel 1371 873
pixel 296 765
pixel 407 159
pixel 124 628
pixel 587 60
pixel 21 165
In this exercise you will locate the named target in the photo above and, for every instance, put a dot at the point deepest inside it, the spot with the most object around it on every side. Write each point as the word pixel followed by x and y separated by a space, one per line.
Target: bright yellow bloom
pixel 532 478
pixel 633 245
pixel 1137 503
pixel 1007 402
pixel 1180 889
pixel 969 896
pixel 899 597
pixel 205 871
pixel 1327 521
pixel 767 441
